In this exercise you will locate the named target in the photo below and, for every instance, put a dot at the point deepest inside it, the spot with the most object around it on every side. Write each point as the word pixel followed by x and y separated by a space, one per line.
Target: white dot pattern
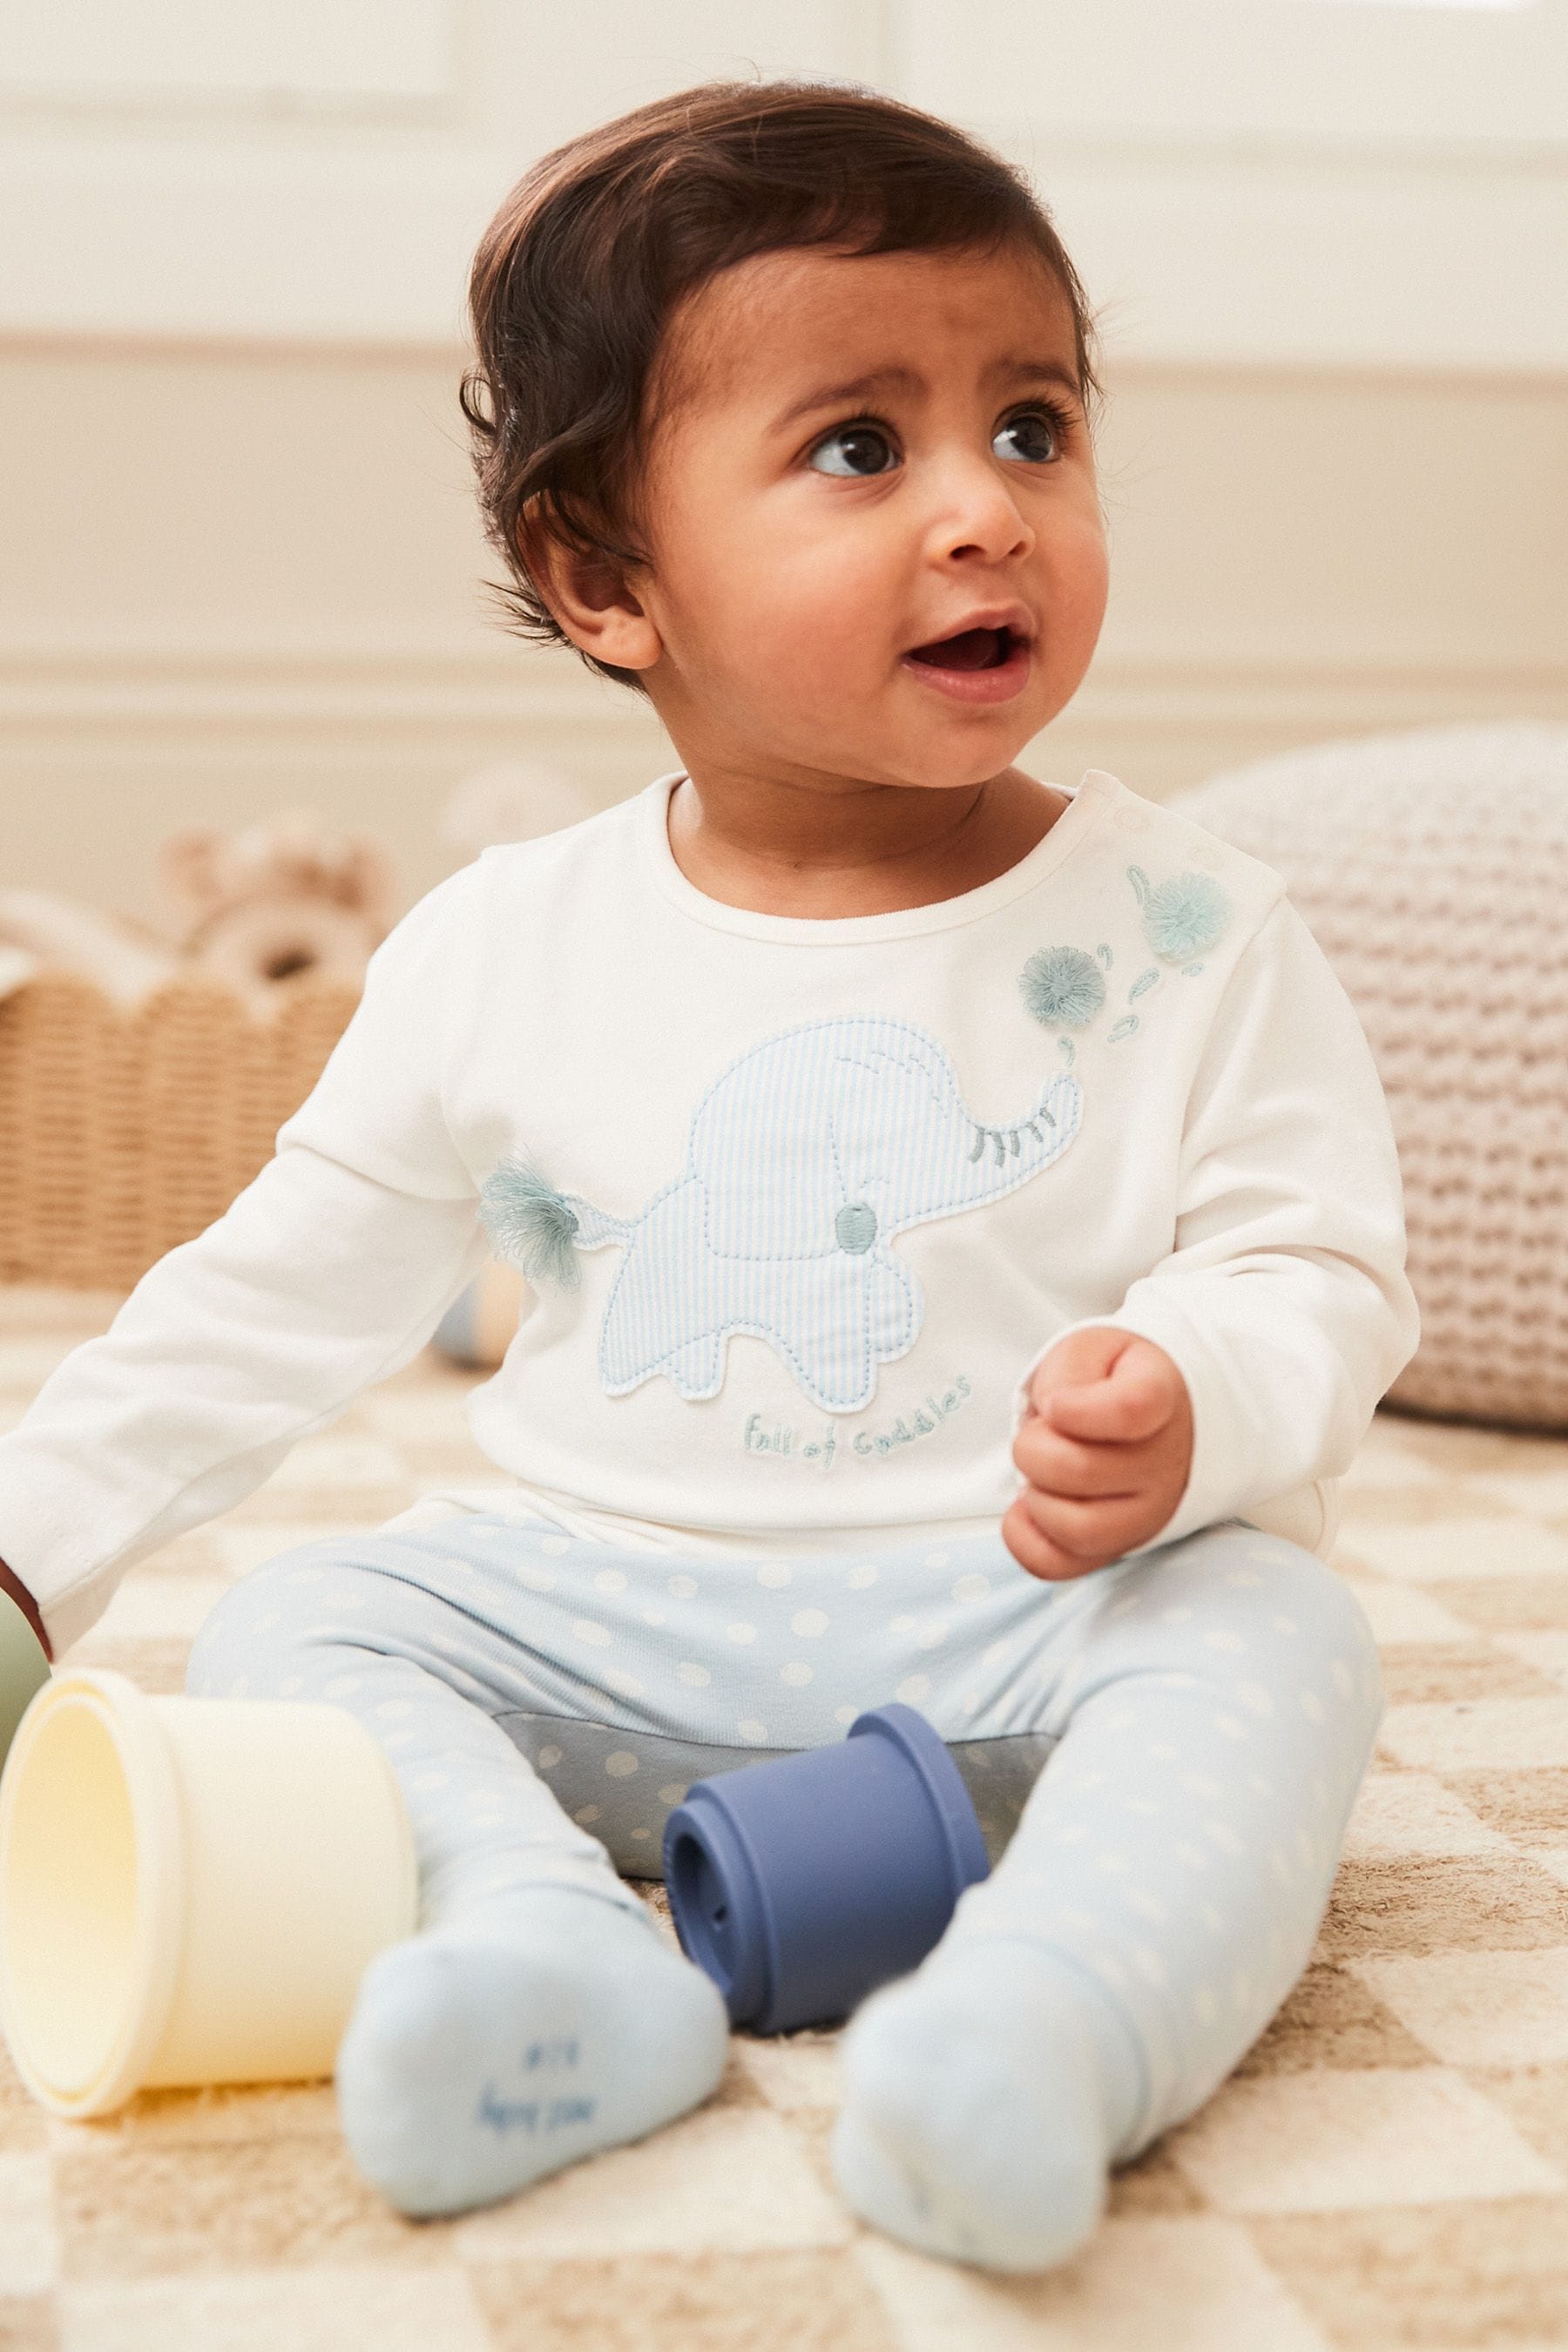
pixel 1151 1716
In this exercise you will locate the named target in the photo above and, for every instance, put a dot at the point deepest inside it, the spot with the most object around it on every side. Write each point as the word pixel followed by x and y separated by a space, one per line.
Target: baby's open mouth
pixel 970 649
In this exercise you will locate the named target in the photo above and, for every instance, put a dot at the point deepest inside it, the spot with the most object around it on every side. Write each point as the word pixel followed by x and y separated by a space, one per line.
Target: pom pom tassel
pixel 530 1223
pixel 1184 916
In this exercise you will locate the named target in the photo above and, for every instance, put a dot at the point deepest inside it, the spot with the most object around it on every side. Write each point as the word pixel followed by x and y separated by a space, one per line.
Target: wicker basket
pixel 124 1133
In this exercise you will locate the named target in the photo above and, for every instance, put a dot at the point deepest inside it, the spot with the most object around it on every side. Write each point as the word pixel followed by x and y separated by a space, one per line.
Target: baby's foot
pixel 983 2098
pixel 480 2055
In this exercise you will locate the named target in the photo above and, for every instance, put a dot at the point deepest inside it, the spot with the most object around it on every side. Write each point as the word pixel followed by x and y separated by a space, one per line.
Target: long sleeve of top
pixel 1283 1300
pixel 328 1273
pixel 799 1203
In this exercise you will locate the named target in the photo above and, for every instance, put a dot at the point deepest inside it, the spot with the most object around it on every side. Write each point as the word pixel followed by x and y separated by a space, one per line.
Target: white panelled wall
pixel 240 567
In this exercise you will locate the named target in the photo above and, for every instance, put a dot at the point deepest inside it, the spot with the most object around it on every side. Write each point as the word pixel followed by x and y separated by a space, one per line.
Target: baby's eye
pixel 1035 435
pixel 1037 425
pixel 856 450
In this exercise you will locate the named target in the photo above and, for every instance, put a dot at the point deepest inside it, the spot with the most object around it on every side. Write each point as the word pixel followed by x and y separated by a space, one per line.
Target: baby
pixel 962 1224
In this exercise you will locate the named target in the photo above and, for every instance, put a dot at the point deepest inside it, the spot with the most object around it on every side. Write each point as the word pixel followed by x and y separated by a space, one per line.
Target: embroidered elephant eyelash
pixel 1006 1137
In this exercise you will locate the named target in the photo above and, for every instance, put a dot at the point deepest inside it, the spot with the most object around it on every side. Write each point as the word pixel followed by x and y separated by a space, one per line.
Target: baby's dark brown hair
pixel 576 278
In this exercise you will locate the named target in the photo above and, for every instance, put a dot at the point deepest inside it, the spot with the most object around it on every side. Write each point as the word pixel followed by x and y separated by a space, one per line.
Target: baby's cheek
pixel 804 631
pixel 809 669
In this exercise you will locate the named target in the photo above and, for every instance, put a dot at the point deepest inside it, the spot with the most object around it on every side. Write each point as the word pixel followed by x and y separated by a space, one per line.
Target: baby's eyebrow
pixel 906 379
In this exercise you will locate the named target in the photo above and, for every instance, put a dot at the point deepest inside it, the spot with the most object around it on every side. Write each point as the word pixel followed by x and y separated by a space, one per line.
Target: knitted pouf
pixel 1432 867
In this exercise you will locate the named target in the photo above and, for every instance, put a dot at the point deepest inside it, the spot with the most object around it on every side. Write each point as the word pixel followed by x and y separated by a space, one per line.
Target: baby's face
pixel 795 562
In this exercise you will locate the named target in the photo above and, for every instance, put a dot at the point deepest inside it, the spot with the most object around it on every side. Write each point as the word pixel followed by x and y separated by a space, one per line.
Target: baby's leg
pixel 1160 1898
pixel 539 2014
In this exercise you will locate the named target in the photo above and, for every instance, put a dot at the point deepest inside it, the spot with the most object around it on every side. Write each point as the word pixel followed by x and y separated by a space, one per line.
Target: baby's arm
pixel 25 1602
pixel 1279 1320
pixel 328 1273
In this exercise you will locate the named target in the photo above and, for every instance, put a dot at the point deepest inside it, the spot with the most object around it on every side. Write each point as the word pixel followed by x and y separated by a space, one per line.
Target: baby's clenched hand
pixel 1106 1446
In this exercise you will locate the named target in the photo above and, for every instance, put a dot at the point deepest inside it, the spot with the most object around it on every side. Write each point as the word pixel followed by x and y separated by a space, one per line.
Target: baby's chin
pixel 878 762
pixel 796 721
pixel 921 740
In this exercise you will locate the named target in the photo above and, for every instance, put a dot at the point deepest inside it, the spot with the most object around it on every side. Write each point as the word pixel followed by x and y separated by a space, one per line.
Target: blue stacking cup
pixel 802 1884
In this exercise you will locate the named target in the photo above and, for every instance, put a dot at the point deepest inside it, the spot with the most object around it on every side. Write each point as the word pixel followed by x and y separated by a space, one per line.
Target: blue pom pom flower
pixel 1062 987
pixel 1182 916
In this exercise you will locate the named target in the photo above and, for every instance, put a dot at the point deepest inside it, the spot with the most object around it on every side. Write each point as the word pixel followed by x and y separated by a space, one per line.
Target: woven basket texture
pixel 124 1133
pixel 1432 867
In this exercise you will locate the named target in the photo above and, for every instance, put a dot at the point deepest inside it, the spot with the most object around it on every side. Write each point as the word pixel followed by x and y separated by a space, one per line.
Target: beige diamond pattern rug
pixel 1386 2171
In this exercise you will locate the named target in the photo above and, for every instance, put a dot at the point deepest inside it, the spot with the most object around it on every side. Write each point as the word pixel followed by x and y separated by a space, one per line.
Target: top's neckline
pixel 1086 805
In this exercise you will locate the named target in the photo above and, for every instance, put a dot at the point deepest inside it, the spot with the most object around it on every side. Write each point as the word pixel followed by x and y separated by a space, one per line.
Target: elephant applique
pixel 807 1156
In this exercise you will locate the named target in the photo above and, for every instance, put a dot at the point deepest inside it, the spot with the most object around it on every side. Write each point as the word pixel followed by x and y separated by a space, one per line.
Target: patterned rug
pixel 1387 2168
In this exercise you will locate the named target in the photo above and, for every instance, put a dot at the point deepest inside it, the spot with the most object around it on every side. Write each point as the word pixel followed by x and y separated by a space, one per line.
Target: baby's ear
pixel 591 598
pixel 545 556
pixel 192 864
pixel 561 575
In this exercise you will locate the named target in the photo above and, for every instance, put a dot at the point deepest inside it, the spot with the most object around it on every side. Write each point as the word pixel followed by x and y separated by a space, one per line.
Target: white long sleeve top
pixel 802 1202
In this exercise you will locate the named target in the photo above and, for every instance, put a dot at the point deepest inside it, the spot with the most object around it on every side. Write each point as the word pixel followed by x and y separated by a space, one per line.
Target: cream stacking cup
pixel 190 1889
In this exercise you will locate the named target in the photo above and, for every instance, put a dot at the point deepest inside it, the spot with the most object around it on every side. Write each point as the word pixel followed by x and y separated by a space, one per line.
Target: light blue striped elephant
pixel 807 1156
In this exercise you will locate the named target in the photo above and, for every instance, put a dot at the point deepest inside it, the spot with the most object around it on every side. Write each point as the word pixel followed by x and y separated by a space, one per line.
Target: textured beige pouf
pixel 1433 869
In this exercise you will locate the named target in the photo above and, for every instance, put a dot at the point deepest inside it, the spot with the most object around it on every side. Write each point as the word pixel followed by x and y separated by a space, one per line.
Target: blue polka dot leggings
pixel 1163 1753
